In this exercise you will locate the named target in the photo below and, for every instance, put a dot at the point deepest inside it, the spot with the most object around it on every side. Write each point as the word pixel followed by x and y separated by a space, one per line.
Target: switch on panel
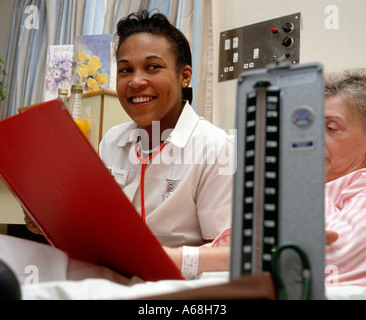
pixel 288 27
pixel 257 45
pixel 288 42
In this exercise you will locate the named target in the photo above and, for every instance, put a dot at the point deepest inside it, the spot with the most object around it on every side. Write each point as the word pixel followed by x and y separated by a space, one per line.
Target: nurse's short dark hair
pixel 156 24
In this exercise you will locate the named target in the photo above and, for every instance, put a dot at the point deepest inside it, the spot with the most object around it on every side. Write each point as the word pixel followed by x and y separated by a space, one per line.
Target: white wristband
pixel 190 257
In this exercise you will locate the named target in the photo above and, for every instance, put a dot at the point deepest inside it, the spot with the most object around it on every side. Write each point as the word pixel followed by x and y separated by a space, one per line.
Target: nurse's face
pixel 149 83
pixel 345 139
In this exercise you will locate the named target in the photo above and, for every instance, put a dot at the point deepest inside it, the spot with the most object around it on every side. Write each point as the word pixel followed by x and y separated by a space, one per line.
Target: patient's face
pixel 345 136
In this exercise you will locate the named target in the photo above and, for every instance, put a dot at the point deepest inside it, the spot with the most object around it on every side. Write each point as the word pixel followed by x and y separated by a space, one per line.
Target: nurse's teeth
pixel 141 99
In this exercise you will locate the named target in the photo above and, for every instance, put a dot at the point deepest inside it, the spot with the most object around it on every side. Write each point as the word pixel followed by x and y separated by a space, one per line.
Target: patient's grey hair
pixel 351 86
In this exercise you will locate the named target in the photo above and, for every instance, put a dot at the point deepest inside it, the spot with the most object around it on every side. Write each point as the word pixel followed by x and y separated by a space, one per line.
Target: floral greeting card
pixel 58 69
pixel 93 62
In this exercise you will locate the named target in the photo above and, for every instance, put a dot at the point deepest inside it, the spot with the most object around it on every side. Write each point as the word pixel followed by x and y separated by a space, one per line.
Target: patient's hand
pixel 331 236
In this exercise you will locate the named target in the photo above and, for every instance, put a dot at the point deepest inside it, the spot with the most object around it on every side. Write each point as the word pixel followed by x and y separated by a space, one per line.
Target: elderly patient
pixel 345 188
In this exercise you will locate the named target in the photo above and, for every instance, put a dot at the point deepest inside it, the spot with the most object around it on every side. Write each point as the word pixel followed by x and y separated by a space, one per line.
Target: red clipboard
pixel 60 180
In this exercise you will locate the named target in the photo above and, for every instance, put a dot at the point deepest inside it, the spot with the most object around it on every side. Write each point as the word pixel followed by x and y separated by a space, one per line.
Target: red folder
pixel 67 190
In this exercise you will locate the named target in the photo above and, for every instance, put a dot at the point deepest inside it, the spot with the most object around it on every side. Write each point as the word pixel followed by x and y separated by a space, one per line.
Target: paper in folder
pixel 67 190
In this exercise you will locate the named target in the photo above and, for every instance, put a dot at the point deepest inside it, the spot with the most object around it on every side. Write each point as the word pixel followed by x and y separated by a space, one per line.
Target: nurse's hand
pixel 175 254
pixel 31 226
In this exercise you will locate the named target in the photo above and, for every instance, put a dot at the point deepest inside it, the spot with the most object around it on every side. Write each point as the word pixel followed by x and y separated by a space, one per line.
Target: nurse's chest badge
pixel 170 187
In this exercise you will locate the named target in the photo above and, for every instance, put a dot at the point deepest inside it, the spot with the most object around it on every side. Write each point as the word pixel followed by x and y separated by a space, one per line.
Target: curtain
pixel 36 24
pixel 203 57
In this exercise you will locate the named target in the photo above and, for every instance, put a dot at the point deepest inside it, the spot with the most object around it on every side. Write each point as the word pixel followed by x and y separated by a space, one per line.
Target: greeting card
pixel 93 62
pixel 58 70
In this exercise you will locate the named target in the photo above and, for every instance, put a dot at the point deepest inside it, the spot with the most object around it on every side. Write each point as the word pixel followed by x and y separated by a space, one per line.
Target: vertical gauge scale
pixel 261 178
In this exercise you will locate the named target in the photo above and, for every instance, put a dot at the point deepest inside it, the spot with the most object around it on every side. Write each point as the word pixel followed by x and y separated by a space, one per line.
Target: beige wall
pixel 8 203
pixel 6 15
pixel 337 49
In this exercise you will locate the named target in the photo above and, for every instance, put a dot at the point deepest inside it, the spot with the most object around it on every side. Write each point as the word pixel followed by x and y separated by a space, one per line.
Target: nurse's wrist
pixel 175 254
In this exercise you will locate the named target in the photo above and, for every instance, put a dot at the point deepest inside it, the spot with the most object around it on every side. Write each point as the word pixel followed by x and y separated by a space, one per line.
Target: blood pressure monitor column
pixel 261 178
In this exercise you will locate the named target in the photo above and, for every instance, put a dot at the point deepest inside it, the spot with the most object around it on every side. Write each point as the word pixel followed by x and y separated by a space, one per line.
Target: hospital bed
pixel 46 273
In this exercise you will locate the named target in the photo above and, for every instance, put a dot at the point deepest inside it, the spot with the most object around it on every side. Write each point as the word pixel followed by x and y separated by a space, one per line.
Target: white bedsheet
pixel 345 293
pixel 61 278
pixel 100 289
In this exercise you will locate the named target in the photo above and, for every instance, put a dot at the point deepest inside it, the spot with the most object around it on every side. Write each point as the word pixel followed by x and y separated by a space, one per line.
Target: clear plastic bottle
pixel 62 95
pixel 77 110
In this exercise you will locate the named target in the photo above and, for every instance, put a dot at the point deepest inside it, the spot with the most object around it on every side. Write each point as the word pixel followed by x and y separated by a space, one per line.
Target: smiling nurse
pixel 173 165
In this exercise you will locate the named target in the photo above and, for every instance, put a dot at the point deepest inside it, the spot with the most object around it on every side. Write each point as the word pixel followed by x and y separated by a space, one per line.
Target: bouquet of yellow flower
pixel 89 71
